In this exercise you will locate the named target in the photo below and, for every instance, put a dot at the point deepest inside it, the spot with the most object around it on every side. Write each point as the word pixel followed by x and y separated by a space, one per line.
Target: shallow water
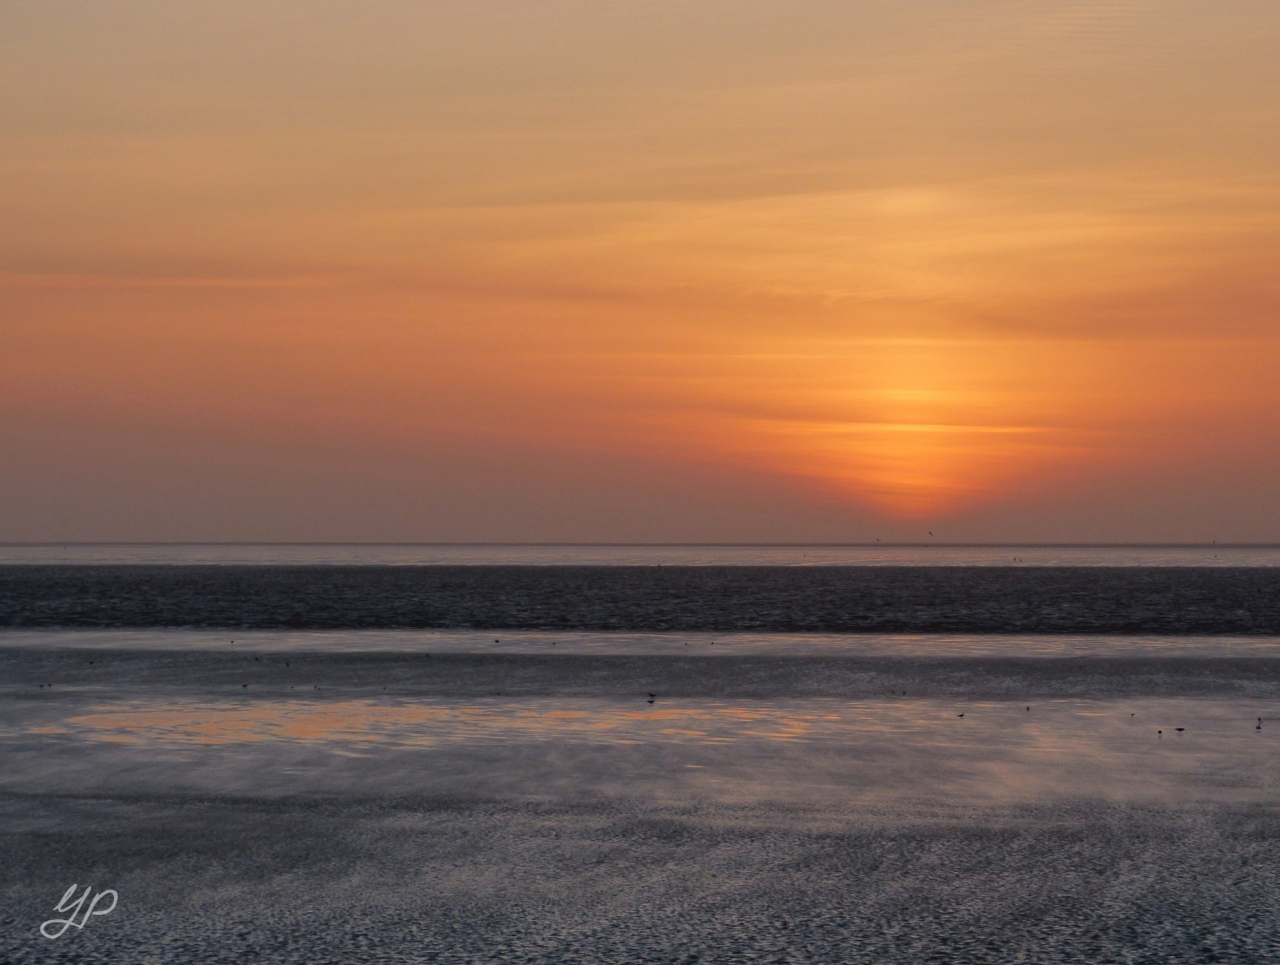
pixel 752 716
pixel 912 751
pixel 526 642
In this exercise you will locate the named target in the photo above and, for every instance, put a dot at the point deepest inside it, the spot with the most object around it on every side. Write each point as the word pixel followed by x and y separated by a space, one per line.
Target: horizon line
pixel 694 545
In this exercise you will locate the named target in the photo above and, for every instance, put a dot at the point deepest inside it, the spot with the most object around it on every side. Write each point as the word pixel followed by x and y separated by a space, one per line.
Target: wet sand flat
pixel 320 802
pixel 626 880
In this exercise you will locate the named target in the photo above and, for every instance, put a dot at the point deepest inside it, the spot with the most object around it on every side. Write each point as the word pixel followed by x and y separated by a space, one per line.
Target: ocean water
pixel 1166 600
pixel 565 795
pixel 556 554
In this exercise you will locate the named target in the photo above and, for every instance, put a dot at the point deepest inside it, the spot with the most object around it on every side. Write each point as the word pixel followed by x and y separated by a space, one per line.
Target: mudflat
pixel 548 795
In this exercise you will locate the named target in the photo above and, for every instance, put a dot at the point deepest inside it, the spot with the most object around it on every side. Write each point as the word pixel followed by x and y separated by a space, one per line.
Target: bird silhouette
pixel 959 715
pixel 1179 729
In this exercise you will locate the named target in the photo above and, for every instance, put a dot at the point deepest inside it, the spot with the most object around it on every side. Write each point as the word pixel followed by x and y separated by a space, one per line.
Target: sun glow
pixel 816 247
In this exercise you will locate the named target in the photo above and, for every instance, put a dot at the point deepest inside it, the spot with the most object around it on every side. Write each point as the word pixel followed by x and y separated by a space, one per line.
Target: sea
pixel 640 554
pixel 586 753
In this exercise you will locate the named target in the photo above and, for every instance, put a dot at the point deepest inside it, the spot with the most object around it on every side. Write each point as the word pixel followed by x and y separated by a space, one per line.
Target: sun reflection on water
pixel 1160 749
pixel 427 724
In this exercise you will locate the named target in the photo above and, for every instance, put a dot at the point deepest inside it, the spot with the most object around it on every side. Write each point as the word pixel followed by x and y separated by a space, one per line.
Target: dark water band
pixel 1113 600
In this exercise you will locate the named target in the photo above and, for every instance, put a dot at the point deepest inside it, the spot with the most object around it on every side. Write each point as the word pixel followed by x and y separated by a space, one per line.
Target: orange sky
pixel 650 271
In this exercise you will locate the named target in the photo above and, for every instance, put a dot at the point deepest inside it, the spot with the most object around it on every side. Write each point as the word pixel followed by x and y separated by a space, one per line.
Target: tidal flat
pixel 451 797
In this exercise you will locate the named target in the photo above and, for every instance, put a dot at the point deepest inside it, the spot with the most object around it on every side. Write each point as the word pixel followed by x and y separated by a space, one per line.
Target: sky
pixel 564 270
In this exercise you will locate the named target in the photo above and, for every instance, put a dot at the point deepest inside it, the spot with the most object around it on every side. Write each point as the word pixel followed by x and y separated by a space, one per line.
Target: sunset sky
pixel 668 271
